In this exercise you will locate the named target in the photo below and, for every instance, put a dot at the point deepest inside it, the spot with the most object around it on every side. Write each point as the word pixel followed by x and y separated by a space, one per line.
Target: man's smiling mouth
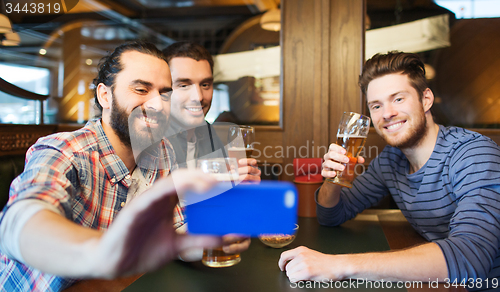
pixel 194 109
pixel 395 125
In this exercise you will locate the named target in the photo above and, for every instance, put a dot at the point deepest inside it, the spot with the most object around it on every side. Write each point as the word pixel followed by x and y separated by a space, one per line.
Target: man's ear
pixel 427 99
pixel 104 94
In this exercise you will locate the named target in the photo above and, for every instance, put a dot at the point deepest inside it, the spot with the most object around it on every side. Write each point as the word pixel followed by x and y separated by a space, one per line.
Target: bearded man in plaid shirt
pixel 64 219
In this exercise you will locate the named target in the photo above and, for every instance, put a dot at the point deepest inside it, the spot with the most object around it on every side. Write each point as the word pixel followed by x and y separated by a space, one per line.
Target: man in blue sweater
pixel 445 180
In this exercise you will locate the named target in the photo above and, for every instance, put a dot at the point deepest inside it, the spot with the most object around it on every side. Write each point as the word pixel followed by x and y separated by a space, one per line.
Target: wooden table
pixel 372 230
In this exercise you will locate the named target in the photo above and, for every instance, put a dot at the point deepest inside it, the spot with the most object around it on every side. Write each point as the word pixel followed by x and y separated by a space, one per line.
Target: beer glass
pixel 240 139
pixel 352 132
pixel 223 170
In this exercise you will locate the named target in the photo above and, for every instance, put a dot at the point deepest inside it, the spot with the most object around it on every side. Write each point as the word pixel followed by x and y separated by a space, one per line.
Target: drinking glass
pixel 223 170
pixel 352 132
pixel 241 139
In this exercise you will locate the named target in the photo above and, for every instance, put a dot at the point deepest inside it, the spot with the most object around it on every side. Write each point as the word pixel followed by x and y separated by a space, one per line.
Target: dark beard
pixel 417 135
pixel 120 122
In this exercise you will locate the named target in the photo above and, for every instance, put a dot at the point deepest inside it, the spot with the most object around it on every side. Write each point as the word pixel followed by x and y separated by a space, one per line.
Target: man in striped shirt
pixel 445 180
pixel 70 213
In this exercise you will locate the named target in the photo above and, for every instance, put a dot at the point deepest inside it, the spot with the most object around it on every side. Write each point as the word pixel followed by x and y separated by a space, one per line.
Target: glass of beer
pixel 351 135
pixel 240 139
pixel 223 170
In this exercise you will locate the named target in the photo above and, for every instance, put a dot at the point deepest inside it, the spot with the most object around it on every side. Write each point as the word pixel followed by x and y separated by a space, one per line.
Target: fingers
pixel 249 175
pixel 335 160
pixel 191 255
pixel 248 170
pixel 288 255
pixel 195 242
pixel 238 246
pixel 247 161
pixel 303 263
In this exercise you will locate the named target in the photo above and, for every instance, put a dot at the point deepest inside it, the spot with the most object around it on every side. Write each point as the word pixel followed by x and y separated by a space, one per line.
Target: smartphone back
pixel 246 209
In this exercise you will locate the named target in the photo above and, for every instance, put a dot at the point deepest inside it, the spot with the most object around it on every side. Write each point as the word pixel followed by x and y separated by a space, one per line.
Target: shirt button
pixel 113 180
pixel 127 176
pixel 122 204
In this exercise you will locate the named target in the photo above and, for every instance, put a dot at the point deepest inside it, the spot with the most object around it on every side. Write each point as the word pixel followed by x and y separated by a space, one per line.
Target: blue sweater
pixel 453 200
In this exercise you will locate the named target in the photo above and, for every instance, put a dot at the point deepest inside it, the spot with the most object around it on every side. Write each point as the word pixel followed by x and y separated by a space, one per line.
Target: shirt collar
pixel 114 167
pixel 176 129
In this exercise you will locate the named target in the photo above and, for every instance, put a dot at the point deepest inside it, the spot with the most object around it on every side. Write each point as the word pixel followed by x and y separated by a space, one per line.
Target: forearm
pixel 53 244
pixel 421 263
pixel 329 195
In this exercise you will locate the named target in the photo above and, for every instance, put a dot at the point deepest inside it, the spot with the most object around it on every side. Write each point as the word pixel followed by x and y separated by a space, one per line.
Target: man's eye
pixel 374 107
pixel 206 85
pixel 141 90
pixel 166 96
pixel 399 99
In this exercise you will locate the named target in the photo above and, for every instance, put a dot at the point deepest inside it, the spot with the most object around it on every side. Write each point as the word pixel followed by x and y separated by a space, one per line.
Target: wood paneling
pixel 322 51
pixel 467 81
pixel 347 58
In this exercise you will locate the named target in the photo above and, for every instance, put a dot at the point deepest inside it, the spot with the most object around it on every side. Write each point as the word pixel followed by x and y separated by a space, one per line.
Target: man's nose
pixel 389 112
pixel 154 103
pixel 195 93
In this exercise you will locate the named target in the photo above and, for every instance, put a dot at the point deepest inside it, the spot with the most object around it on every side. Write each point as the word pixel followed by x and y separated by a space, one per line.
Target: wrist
pixel 352 264
pixel 328 195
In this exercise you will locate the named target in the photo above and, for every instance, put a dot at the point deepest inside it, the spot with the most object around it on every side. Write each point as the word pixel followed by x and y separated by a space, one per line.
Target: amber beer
pixel 353 146
pixel 216 257
pixel 234 152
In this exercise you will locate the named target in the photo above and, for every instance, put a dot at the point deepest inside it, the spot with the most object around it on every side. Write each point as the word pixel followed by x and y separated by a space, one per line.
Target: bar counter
pixel 372 230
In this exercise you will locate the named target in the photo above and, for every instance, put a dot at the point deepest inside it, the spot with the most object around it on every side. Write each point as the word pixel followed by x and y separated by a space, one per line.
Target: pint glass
pixel 240 139
pixel 351 135
pixel 223 170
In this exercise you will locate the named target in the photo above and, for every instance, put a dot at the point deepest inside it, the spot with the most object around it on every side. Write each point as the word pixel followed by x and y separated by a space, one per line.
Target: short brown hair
pixel 188 50
pixel 395 62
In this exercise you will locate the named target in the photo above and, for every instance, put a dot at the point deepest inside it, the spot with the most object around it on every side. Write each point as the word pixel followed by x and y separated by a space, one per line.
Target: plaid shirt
pixel 81 175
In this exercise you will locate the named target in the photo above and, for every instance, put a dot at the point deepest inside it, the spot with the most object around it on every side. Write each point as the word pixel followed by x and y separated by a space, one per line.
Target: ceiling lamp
pixel 271 20
pixel 11 39
pixel 5 26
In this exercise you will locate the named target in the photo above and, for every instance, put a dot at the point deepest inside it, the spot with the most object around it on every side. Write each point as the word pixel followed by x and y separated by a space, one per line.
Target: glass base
pixel 221 264
pixel 339 182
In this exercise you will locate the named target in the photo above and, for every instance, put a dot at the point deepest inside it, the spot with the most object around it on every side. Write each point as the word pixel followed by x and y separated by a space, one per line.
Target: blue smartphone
pixel 245 209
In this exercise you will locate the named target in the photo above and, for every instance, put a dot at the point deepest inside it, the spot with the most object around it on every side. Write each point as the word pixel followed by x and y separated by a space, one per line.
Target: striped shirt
pixel 453 200
pixel 80 174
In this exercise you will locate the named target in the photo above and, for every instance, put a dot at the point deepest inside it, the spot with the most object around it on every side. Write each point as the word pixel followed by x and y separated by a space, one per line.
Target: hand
pixel 248 170
pixel 335 159
pixel 231 244
pixel 235 244
pixel 302 264
pixel 142 237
